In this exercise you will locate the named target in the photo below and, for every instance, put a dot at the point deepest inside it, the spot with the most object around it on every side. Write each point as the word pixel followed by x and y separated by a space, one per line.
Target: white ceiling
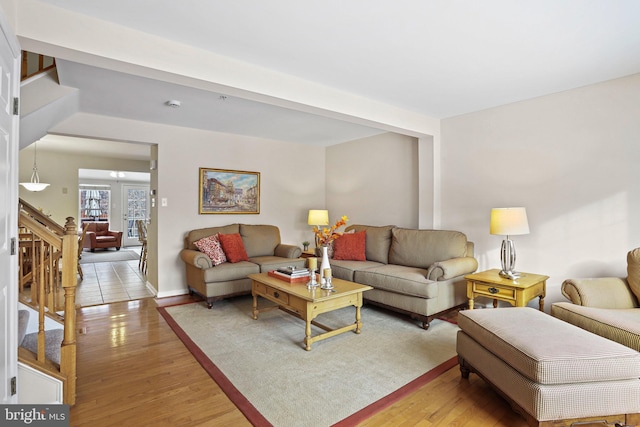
pixel 440 58
pixel 124 95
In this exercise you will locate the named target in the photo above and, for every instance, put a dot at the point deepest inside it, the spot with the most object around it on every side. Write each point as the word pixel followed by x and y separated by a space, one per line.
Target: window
pixel 94 203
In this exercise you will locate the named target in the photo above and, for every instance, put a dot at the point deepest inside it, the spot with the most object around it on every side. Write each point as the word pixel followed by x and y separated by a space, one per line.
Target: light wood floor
pixel 133 371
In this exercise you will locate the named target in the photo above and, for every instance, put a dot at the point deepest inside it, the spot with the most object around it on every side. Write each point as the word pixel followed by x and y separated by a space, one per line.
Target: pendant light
pixel 35 184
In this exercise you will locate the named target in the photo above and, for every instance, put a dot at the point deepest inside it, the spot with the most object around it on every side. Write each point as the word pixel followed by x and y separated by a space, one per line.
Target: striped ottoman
pixel 551 372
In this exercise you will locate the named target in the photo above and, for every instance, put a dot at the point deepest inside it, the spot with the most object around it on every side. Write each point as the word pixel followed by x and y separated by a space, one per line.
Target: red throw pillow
pixel 350 246
pixel 210 246
pixel 233 247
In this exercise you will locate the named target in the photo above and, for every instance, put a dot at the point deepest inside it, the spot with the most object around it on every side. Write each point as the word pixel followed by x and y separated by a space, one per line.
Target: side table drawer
pixel 493 291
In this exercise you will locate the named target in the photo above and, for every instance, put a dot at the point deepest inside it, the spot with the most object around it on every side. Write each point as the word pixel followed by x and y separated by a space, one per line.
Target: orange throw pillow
pixel 233 247
pixel 350 246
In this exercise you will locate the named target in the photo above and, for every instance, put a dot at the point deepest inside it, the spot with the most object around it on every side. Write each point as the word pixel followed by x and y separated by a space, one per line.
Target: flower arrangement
pixel 326 235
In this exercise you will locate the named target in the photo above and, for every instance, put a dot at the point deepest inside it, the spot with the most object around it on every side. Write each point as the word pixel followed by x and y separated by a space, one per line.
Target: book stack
pixel 291 274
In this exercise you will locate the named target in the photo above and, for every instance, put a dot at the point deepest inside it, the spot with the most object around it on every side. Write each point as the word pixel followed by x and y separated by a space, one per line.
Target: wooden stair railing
pixel 48 257
pixel 34 64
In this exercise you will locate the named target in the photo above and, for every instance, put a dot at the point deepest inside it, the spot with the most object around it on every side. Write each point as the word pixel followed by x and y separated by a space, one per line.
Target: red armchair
pixel 99 236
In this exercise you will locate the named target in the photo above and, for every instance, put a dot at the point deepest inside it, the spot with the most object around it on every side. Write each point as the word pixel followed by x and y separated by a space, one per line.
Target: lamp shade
pixel 509 221
pixel 318 217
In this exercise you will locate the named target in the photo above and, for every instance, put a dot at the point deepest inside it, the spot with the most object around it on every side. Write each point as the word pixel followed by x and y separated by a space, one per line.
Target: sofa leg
pixel 118 248
pixel 425 325
pixel 465 370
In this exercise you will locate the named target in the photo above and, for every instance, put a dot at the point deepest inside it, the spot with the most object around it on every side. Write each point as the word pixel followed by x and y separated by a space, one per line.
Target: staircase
pixel 48 267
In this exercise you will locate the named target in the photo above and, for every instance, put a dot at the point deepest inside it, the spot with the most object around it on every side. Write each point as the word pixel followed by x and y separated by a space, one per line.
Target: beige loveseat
pixel 416 272
pixel 264 249
pixel 606 306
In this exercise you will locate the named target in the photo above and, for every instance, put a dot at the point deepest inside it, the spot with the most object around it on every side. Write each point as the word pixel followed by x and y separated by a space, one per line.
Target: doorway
pixel 128 200
pixel 135 206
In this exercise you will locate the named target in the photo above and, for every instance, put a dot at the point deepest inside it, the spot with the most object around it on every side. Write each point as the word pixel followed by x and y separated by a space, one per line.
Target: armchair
pixel 98 235
pixel 606 306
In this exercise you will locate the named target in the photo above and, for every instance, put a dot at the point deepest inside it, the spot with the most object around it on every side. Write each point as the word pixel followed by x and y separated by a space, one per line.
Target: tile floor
pixel 108 282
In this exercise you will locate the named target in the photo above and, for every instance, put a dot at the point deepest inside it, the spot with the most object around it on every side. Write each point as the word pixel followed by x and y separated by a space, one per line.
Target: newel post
pixel 69 283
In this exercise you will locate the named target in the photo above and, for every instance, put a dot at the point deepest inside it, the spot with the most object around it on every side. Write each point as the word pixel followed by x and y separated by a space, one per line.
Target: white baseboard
pixel 172 293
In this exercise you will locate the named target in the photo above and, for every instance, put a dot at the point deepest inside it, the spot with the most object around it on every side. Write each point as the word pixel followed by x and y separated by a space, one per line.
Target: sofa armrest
pixel 444 270
pixel 196 258
pixel 287 251
pixel 90 239
pixel 116 234
pixel 603 292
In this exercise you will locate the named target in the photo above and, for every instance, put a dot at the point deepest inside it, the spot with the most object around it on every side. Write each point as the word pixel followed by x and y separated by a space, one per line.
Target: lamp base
pixel 509 274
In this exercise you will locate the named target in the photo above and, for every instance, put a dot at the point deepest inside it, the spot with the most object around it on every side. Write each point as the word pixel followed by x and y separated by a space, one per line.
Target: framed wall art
pixel 229 192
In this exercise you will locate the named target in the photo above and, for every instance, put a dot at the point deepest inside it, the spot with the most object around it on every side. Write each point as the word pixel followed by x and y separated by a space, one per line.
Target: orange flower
pixel 327 235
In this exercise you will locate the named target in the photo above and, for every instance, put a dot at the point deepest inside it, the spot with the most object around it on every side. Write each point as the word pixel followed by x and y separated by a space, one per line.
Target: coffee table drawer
pixel 493 291
pixel 277 296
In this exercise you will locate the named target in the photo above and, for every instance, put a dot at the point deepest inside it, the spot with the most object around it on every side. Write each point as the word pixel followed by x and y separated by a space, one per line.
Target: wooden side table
pixel 309 253
pixel 516 292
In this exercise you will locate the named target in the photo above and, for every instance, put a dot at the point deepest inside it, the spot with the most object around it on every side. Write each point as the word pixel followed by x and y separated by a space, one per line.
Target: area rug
pixel 263 368
pixel 110 255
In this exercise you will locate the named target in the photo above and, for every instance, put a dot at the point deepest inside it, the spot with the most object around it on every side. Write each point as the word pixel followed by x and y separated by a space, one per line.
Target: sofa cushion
pixel 398 279
pixel 421 248
pixel 201 233
pixel 377 243
pixel 350 246
pixel 230 271
pixel 99 228
pixel 621 325
pixel 260 240
pixel 211 247
pixel 345 269
pixel 233 247
pixel 633 271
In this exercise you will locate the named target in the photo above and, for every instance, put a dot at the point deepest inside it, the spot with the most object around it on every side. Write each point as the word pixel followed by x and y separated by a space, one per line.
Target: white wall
pixel 291 182
pixel 572 159
pixel 374 181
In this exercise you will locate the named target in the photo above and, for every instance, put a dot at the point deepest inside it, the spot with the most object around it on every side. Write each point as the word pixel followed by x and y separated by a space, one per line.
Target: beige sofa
pixel 606 306
pixel 416 272
pixel 263 247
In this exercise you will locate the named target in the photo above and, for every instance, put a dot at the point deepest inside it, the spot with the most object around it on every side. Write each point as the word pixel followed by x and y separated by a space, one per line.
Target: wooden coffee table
pixel 307 304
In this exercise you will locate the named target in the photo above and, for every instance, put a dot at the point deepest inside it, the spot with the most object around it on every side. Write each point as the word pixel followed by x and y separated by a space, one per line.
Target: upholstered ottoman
pixel 550 371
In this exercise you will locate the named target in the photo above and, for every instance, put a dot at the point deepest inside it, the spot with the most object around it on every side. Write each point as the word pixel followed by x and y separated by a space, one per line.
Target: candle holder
pixel 326 275
pixel 327 285
pixel 312 264
pixel 312 283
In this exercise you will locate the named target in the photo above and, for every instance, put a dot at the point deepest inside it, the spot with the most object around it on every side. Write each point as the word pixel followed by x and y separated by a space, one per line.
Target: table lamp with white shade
pixel 508 222
pixel 318 218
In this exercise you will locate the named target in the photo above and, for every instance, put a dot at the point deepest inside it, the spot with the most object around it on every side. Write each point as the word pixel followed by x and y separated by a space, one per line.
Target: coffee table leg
pixel 255 307
pixel 358 321
pixel 307 338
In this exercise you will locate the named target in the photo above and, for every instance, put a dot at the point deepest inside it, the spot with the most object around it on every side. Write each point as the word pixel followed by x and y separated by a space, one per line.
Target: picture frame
pixel 224 191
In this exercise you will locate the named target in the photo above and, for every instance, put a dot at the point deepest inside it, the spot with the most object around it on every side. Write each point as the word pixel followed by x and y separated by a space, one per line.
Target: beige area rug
pixel 109 255
pixel 263 367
